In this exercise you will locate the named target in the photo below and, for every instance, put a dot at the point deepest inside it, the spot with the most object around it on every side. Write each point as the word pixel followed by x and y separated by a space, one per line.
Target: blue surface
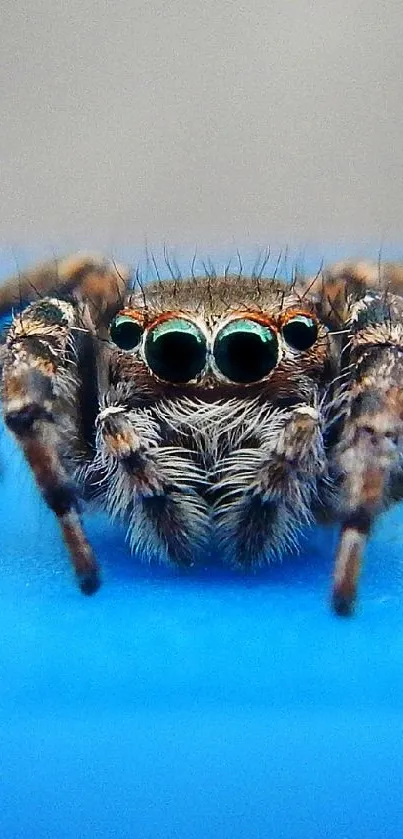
pixel 205 704
pixel 201 705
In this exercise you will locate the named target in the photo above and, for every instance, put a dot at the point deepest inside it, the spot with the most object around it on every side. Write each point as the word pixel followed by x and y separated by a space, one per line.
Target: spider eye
pixel 125 332
pixel 175 350
pixel 300 332
pixel 245 351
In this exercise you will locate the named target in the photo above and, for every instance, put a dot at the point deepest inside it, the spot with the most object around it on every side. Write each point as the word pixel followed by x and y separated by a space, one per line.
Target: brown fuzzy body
pixel 217 457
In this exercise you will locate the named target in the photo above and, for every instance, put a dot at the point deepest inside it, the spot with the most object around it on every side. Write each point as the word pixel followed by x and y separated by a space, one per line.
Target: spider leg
pixel 335 288
pixel 368 459
pixel 97 281
pixel 266 493
pixel 40 384
pixel 154 487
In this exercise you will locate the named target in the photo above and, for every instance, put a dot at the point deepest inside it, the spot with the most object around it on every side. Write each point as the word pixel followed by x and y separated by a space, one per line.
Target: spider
pixel 236 409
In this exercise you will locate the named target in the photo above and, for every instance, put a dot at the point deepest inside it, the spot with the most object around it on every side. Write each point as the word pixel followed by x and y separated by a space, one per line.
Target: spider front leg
pixel 155 488
pixel 267 492
pixel 334 289
pixel 368 459
pixel 98 282
pixel 40 389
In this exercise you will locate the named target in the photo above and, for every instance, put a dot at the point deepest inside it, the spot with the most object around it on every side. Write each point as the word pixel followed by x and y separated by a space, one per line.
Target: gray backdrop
pixel 213 122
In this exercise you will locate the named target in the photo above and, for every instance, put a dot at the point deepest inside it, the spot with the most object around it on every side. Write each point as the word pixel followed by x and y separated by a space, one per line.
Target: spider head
pixel 193 338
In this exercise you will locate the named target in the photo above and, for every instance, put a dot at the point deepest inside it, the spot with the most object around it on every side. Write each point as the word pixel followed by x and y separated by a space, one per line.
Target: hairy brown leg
pixel 40 385
pixel 368 456
pixel 338 286
pixel 154 488
pixel 97 281
pixel 267 492
pixel 362 302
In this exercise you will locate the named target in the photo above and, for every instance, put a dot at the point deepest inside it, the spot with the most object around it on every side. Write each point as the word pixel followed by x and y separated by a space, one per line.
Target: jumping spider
pixel 234 407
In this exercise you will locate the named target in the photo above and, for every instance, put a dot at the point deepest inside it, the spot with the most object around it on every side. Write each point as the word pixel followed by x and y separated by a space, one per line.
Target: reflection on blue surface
pixel 206 704
pixel 199 705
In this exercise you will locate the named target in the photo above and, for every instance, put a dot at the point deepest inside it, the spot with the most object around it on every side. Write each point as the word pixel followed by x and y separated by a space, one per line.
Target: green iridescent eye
pixel 245 351
pixel 125 332
pixel 300 332
pixel 175 350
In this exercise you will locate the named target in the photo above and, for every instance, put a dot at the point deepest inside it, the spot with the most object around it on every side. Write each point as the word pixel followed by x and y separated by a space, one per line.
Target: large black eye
pixel 175 350
pixel 300 332
pixel 125 332
pixel 245 351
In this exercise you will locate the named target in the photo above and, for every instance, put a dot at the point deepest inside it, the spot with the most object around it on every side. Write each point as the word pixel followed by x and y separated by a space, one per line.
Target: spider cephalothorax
pixel 230 410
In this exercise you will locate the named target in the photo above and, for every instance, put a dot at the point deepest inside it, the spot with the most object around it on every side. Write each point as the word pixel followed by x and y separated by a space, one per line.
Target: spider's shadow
pixel 30 530
pixel 306 570
pixel 27 522
pixel 301 569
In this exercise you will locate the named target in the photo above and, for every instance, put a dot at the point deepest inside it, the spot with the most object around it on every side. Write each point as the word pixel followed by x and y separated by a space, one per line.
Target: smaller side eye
pixel 300 332
pixel 125 332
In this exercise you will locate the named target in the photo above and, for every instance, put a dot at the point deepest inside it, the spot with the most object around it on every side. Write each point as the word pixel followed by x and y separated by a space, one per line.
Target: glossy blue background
pixel 207 704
